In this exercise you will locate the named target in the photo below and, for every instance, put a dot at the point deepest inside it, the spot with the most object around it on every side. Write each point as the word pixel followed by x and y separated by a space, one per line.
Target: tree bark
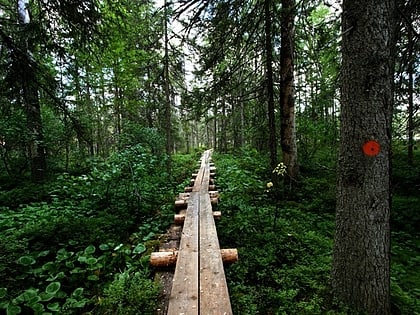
pixel 361 258
pixel 168 105
pixel 35 142
pixel 410 107
pixel 287 99
pixel 272 144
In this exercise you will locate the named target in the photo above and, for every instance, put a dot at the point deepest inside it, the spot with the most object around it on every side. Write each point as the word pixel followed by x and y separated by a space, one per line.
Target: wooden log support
pixel 188 189
pixel 213 194
pixel 169 258
pixel 217 215
pixel 181 203
pixel 229 255
pixel 180 217
pixel 163 259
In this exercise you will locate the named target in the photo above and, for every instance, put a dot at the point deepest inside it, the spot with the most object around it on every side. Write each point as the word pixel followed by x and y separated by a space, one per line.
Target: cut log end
pixel 163 259
pixel 229 255
pixel 181 203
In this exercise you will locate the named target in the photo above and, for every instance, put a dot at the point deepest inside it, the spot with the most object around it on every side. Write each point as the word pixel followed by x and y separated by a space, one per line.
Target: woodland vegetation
pixel 106 106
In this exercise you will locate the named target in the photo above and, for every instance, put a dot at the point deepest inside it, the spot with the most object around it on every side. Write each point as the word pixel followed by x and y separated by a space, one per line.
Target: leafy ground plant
pixel 285 245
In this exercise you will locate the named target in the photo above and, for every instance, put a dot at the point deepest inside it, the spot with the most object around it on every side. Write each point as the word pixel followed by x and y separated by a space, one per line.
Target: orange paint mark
pixel 371 148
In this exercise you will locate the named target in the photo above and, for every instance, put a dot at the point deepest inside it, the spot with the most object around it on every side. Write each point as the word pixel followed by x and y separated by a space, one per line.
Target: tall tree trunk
pixel 410 107
pixel 118 99
pixel 287 100
pixel 168 107
pixel 272 144
pixel 223 127
pixel 35 142
pixel 215 124
pixel 361 259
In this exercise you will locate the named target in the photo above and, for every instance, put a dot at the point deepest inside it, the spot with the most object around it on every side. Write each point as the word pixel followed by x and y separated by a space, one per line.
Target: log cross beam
pixel 199 283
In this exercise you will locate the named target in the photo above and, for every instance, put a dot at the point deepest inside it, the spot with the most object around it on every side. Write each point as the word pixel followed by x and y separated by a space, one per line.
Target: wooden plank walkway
pixel 199 284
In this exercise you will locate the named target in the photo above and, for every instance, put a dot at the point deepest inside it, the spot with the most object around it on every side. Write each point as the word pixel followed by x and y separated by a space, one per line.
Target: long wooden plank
pixel 199 285
pixel 184 297
pixel 214 295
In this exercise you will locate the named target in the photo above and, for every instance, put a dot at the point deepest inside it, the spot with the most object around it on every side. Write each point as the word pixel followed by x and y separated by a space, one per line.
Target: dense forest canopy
pixel 105 106
pixel 104 73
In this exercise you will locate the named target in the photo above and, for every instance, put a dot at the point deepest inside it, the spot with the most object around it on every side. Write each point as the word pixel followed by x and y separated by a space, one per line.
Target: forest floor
pixel 80 244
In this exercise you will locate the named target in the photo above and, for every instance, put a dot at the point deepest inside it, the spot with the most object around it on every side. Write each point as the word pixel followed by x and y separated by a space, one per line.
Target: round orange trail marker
pixel 371 148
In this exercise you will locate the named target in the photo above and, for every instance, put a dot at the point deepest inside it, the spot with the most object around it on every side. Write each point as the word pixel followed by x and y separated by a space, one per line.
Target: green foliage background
pixel 284 237
pixel 81 243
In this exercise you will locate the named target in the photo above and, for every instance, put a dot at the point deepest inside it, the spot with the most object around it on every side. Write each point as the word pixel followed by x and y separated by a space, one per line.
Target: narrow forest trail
pixel 199 283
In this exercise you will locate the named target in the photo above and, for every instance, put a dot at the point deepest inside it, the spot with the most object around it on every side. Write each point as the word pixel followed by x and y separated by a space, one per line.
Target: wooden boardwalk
pixel 199 283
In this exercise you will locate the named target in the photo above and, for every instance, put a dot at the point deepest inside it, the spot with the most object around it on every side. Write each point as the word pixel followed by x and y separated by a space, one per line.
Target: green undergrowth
pixel 285 239
pixel 80 244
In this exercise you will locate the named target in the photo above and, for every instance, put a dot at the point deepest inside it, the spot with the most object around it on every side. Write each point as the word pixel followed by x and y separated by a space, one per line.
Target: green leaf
pixel 82 259
pixel 59 275
pixel 63 254
pixel 49 266
pixel 78 292
pixel 140 248
pixel 118 247
pixel 13 309
pixel 53 287
pixel 26 260
pixel 55 307
pixel 38 308
pixel 34 300
pixel 27 295
pixel 90 250
pixel 93 278
pixel 77 270
pixel 43 253
pixel 104 247
pixel 79 304
pixel 149 236
pixel 69 264
pixel 4 304
pixel 46 296
pixel 91 261
pixel 3 293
